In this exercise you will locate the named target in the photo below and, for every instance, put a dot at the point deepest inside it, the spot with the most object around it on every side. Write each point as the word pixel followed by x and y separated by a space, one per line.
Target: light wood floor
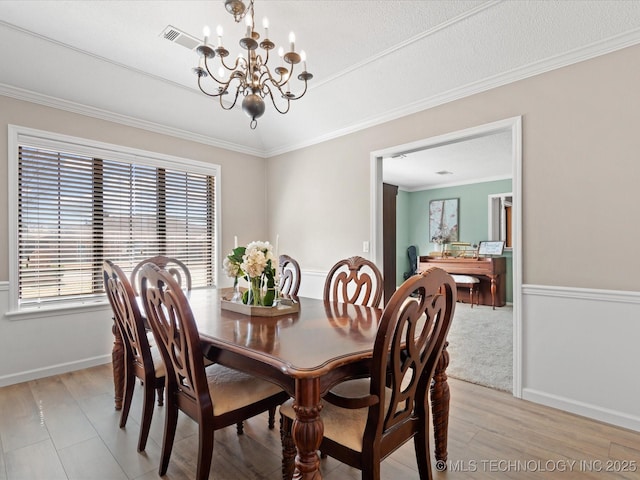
pixel 65 427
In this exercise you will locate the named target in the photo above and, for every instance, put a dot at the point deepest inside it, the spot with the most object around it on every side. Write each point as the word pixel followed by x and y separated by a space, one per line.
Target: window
pixel 78 203
pixel 500 218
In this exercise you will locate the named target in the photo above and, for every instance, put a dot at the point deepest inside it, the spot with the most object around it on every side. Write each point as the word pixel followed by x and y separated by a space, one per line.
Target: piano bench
pixel 469 282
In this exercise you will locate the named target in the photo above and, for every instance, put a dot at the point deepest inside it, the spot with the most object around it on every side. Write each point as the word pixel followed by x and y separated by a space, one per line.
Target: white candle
pixel 281 53
pixel 219 32
pixel 292 41
pixel 235 241
pixel 206 32
pixel 277 259
pixel 249 22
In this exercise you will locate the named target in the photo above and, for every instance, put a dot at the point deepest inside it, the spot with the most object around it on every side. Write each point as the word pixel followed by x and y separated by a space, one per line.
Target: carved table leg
pixel 440 406
pixel 307 429
pixel 117 362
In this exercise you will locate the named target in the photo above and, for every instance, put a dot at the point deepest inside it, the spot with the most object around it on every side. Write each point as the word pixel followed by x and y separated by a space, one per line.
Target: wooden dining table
pixel 305 352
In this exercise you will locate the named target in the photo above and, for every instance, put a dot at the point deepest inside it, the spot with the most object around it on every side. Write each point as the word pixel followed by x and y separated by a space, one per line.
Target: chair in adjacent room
pixel 412 253
pixel 354 280
pixel 216 397
pixel 470 282
pixel 289 276
pixel 367 419
pixel 142 360
pixel 174 266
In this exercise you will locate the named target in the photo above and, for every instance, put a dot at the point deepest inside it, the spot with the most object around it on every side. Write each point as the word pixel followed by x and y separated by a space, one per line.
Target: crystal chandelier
pixel 250 75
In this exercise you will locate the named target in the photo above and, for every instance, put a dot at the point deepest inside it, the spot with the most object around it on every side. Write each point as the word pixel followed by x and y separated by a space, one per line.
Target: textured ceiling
pixel 474 160
pixel 372 60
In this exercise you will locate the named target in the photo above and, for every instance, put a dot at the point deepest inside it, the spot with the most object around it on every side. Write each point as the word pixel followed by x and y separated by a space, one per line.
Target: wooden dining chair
pixel 367 419
pixel 182 275
pixel 289 276
pixel 142 360
pixel 354 280
pixel 216 397
pixel 172 265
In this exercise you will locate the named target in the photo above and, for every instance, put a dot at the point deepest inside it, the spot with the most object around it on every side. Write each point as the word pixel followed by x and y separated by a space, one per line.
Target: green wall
pixel 412 223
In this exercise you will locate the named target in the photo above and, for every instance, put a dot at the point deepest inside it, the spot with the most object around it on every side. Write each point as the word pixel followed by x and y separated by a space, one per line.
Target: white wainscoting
pixel 34 347
pixel 312 283
pixel 581 352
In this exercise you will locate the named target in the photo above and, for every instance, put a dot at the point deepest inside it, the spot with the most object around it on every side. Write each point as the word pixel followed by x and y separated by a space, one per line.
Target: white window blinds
pixel 76 210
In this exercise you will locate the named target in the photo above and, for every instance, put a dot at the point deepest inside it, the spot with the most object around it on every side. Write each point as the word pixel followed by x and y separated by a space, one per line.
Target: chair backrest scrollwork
pixel 354 280
pixel 175 267
pixel 289 276
pixel 174 328
pixel 127 316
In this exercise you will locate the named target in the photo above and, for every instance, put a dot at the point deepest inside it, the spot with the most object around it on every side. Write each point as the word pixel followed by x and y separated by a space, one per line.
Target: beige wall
pixel 240 172
pixel 580 175
pixel 580 204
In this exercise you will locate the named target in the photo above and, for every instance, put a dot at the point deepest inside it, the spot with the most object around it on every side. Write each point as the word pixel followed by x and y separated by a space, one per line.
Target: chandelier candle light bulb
pixel 292 41
pixel 206 32
pixel 219 32
pixel 249 22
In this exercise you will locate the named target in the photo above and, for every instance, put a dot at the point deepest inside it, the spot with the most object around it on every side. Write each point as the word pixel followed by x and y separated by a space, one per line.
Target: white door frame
pixel 514 125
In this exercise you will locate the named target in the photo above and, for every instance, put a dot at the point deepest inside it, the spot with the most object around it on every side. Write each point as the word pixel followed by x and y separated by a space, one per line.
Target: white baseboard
pixel 579 351
pixel 584 409
pixel 53 370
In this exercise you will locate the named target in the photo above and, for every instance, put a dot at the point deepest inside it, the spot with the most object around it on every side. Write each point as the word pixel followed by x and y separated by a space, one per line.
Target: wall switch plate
pixel 365 246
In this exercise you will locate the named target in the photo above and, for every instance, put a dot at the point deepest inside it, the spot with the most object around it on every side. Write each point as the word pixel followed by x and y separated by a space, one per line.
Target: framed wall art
pixel 443 221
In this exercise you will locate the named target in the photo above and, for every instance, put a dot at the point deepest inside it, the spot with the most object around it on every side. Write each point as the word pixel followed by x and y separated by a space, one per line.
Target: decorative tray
pixel 283 308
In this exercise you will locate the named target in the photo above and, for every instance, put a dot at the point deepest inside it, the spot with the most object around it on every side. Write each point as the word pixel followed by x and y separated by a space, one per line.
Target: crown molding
pixel 456 184
pixel 581 54
pixel 399 46
pixel 593 50
pixel 73 107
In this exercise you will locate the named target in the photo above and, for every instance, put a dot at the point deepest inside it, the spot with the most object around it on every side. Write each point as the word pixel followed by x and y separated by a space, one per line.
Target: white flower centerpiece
pixel 257 264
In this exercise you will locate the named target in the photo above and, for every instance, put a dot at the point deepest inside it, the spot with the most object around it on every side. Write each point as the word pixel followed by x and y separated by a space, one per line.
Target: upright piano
pixel 490 271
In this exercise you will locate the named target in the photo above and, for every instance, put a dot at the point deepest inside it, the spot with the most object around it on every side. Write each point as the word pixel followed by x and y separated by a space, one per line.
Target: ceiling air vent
pixel 181 38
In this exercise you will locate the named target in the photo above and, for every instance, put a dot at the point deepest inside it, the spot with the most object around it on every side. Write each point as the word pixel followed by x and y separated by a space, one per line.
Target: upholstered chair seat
pixel 343 425
pixel 232 390
pixel 470 282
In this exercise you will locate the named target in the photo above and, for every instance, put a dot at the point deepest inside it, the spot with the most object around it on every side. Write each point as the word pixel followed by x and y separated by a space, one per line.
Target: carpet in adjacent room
pixel 481 346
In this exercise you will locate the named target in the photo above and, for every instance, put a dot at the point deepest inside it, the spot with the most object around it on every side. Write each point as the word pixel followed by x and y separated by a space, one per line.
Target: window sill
pixel 33 312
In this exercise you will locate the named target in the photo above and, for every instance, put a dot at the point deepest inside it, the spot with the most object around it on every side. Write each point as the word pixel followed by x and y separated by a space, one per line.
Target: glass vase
pixel 255 291
pixel 237 296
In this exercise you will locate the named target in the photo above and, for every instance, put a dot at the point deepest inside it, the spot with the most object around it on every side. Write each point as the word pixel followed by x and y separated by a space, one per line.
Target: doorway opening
pixel 514 127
